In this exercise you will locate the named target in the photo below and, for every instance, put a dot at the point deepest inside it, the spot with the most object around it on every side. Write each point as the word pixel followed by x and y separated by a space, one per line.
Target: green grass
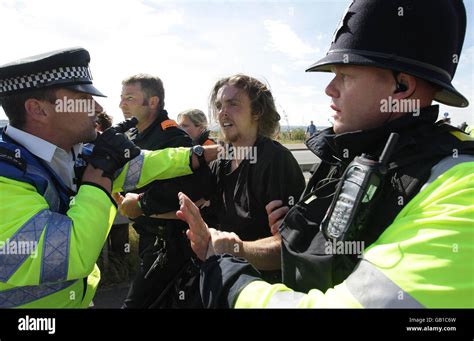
pixel 292 136
pixel 115 269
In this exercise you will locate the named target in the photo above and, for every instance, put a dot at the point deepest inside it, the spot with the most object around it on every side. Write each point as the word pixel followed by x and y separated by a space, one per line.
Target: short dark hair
pixel 151 86
pixel 14 105
pixel 104 121
pixel 261 102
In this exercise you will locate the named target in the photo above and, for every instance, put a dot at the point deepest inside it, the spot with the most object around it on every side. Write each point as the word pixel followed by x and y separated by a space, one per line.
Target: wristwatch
pixel 199 152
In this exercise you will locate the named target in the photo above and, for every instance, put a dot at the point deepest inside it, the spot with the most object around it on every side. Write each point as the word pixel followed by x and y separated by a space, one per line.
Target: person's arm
pixel 160 199
pixel 159 164
pixel 283 179
pixel 66 245
pixel 264 254
pixel 205 242
pixel 423 259
pixel 161 196
pixel 153 165
pixel 73 240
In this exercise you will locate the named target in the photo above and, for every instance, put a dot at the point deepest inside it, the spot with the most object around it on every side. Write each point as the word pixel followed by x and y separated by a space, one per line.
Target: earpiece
pixel 400 88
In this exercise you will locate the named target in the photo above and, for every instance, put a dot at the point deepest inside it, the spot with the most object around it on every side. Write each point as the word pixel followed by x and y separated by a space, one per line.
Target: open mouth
pixel 226 125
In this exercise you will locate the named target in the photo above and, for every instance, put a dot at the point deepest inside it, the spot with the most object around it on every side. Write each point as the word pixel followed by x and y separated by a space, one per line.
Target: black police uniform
pixel 387 35
pixel 306 264
pixel 161 237
pixel 204 140
pixel 421 145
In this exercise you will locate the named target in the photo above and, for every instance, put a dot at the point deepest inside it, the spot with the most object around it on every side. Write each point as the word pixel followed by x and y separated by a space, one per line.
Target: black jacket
pixel 204 139
pixel 162 196
pixel 305 263
pixel 240 197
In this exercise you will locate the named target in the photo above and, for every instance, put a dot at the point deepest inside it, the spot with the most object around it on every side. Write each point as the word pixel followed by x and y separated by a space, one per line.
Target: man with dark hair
pixel 311 130
pixel 103 122
pixel 163 247
pixel 150 89
pixel 386 214
pixel 16 111
pixel 53 222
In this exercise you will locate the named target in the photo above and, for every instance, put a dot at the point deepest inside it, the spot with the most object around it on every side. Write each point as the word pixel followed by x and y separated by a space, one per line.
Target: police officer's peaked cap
pixel 422 38
pixel 68 68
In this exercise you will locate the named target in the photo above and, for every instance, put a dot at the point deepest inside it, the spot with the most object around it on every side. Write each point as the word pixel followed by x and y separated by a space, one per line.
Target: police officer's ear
pixel 36 111
pixel 405 86
pixel 154 101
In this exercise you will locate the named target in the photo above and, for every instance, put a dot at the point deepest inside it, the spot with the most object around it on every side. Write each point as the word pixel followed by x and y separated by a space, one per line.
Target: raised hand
pixel 276 212
pixel 198 233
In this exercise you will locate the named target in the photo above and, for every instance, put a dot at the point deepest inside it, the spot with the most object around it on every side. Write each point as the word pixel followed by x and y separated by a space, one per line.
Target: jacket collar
pixel 331 147
pixel 162 116
pixel 39 147
pixel 203 137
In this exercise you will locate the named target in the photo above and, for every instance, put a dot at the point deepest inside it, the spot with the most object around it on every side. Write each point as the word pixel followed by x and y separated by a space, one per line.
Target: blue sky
pixel 191 44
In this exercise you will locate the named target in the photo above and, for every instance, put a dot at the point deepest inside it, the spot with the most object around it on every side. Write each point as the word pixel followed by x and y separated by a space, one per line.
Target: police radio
pixel 355 193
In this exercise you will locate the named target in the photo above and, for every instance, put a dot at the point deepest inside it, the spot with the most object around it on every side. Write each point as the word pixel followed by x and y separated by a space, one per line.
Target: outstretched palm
pixel 198 232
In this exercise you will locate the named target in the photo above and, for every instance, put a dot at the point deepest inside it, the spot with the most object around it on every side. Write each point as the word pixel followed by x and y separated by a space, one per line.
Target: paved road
pixel 305 157
pixel 111 297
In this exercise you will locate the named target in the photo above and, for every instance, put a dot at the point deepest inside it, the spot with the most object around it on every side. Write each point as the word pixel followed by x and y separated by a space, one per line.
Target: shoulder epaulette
pixel 168 124
pixel 11 157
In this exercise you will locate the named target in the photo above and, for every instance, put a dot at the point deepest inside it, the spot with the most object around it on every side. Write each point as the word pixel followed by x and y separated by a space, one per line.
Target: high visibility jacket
pixel 423 259
pixel 49 242
pixel 470 130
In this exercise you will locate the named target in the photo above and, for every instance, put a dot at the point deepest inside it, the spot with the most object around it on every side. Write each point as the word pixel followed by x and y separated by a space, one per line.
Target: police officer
pixel 194 122
pixel 163 247
pixel 55 223
pixel 404 204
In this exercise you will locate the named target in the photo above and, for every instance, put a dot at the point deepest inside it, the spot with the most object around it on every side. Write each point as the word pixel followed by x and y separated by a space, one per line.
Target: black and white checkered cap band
pixel 40 79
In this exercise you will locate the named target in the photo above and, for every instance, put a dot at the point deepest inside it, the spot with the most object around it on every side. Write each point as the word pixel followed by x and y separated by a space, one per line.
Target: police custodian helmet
pixel 67 68
pixel 422 38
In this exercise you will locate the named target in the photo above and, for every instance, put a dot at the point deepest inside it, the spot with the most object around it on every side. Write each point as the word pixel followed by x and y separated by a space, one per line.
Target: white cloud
pixel 467 56
pixel 286 41
pixel 278 70
pixel 189 46
pixel 123 38
pixel 303 100
pixel 303 91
